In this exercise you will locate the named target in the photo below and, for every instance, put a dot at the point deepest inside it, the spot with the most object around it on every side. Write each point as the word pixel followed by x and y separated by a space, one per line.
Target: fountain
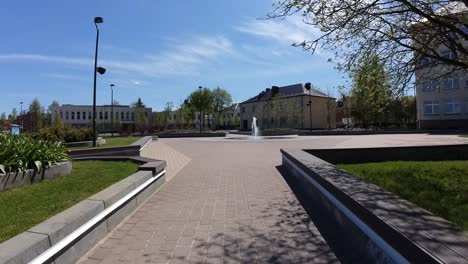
pixel 255 129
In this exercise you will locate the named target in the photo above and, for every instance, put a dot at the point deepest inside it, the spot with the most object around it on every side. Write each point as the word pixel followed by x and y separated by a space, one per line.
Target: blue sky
pixel 157 50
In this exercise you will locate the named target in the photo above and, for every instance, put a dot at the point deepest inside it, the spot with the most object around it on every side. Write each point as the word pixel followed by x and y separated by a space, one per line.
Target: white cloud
pixel 182 59
pixel 288 31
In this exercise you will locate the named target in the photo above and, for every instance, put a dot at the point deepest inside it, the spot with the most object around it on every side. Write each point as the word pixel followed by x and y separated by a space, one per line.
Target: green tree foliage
pixel 3 119
pixel 370 93
pixel 36 110
pixel 202 100
pixel 353 30
pixel 13 115
pixel 166 114
pixel 221 99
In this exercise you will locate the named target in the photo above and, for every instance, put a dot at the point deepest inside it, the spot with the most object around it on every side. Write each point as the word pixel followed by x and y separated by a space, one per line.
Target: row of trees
pixel 208 102
pixel 37 114
pixel 372 98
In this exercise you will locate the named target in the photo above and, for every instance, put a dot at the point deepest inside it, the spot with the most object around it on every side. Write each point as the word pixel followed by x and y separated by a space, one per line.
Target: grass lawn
pixel 440 187
pixel 24 207
pixel 114 142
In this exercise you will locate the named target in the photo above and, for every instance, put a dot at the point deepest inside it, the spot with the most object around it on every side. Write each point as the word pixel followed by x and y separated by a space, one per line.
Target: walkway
pixel 228 204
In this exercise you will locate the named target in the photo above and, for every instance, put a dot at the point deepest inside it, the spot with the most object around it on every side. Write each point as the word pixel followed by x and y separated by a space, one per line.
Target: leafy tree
pixel 3 119
pixel 138 103
pixel 36 109
pixel 167 113
pixel 371 91
pixel 401 32
pixel 221 99
pixel 13 115
pixel 48 114
pixel 202 101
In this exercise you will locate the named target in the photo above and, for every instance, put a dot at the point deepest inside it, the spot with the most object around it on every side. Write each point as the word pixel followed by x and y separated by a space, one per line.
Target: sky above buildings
pixel 157 50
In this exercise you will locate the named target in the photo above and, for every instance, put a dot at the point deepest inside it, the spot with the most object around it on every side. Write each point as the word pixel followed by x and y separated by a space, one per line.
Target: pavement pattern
pixel 226 202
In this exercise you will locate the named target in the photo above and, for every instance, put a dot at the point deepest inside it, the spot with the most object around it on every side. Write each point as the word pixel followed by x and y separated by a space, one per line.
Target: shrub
pixel 64 133
pixel 21 152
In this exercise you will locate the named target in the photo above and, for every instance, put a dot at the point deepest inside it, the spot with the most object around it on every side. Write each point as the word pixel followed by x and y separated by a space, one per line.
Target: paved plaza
pixel 226 202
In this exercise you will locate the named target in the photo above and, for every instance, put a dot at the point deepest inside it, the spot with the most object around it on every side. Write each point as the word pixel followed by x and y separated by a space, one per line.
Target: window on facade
pixel 66 115
pixel 84 116
pixel 425 61
pixel 430 85
pixel 78 115
pixel 106 116
pixel 90 115
pixel 466 84
pixel 127 116
pixel 73 115
pixel 452 107
pixel 122 115
pixel 243 109
pixel 100 115
pixel 253 108
pixel 451 81
pixel 146 114
pixel 431 107
pixel 133 116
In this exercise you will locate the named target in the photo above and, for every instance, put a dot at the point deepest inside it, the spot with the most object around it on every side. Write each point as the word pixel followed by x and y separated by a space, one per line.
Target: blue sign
pixel 15 130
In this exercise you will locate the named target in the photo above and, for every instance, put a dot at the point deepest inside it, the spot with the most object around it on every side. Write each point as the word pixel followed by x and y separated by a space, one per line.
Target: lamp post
pixel 200 123
pixel 308 87
pixel 112 109
pixel 97 20
pixel 21 115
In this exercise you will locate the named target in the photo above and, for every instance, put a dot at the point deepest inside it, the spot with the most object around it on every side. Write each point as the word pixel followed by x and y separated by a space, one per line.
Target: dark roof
pixel 285 91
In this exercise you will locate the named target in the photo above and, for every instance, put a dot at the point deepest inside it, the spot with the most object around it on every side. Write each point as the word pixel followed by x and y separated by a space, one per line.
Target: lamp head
pixel 112 85
pixel 199 87
pixel 101 70
pixel 98 20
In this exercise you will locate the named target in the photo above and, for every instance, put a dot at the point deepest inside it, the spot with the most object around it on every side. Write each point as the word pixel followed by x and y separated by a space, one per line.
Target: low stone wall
pixel 129 151
pixel 414 153
pixel 99 142
pixel 374 132
pixel 30 244
pixel 17 179
pixel 187 135
pixel 366 224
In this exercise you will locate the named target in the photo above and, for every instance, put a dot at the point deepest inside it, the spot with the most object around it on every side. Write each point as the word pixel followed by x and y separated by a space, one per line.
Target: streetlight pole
pixel 200 123
pixel 21 115
pixel 97 20
pixel 308 86
pixel 112 109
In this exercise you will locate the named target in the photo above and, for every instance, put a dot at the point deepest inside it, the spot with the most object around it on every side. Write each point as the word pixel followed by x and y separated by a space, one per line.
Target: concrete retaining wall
pixel 99 142
pixel 186 135
pixel 17 179
pixel 28 245
pixel 363 223
pixel 414 153
pixel 129 151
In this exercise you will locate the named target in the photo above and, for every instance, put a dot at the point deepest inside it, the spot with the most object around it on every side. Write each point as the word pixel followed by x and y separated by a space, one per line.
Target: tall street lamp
pixel 21 115
pixel 308 87
pixel 112 109
pixel 97 20
pixel 200 119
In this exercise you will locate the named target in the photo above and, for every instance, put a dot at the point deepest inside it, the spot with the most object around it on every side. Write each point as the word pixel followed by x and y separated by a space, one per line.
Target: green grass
pixel 114 142
pixel 22 208
pixel 440 187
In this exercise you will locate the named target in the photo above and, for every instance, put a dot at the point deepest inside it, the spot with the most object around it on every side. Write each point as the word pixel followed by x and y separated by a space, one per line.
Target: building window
pixel 78 115
pixel 100 115
pixel 146 114
pixel 66 115
pixel 451 82
pixel 243 109
pixel 430 85
pixel 466 84
pixel 253 108
pixel 73 115
pixel 84 116
pixel 431 107
pixel 425 61
pixel 452 107
pixel 133 116
pixel 90 115
pixel 122 115
pixel 106 115
pixel 127 115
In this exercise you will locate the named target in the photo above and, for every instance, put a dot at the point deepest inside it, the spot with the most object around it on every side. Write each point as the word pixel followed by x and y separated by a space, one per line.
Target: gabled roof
pixel 285 91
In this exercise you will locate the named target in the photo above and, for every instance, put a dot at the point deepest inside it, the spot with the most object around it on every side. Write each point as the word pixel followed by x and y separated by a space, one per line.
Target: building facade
pixel 291 106
pixel 125 117
pixel 442 92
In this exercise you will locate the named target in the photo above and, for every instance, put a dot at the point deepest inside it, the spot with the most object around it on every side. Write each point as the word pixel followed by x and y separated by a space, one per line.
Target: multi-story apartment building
pixel 291 106
pixel 441 91
pixel 81 116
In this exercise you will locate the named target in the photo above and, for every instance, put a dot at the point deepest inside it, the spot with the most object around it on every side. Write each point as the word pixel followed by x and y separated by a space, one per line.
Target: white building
pixel 81 116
